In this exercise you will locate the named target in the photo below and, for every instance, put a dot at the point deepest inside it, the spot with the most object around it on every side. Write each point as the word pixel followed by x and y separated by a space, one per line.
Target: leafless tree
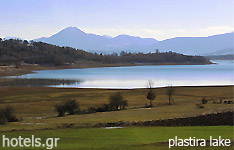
pixel 170 91
pixel 150 84
pixel 151 94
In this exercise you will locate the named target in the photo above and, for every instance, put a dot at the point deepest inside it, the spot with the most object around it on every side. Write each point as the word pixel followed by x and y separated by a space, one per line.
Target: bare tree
pixel 170 91
pixel 151 95
pixel 150 84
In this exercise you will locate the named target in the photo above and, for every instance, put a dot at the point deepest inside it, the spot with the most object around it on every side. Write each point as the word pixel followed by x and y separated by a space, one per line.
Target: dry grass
pixel 33 103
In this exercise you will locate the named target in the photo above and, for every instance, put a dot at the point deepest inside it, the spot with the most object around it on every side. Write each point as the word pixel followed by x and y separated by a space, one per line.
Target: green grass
pixel 132 138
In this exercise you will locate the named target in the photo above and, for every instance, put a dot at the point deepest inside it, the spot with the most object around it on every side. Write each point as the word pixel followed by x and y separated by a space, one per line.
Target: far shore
pixel 27 69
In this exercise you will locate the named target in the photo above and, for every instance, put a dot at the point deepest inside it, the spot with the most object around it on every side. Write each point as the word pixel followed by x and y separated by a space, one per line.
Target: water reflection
pixel 132 77
pixel 36 82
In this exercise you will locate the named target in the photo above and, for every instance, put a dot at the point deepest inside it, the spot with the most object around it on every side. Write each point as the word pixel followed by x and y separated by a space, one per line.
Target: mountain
pixel 197 45
pixel 228 51
pixel 76 38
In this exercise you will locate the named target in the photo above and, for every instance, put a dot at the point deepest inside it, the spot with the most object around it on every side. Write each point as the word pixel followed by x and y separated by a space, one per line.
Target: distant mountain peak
pixel 76 38
pixel 72 30
pixel 107 36
pixel 126 36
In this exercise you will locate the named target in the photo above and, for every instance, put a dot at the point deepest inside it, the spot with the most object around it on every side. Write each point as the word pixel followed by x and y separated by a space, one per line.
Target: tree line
pixel 15 52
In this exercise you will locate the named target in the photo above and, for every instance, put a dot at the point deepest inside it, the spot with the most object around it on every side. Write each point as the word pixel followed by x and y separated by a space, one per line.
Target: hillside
pixel 74 37
pixel 18 52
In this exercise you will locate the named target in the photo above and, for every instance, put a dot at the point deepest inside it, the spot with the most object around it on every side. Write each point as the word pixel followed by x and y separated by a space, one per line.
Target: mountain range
pixel 74 37
pixel 227 51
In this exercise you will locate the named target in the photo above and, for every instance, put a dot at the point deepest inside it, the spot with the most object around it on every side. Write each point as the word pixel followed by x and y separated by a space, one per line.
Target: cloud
pixel 216 30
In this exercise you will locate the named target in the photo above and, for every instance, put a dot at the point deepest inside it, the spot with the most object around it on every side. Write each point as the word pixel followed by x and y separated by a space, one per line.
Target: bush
pixel 204 101
pixel 117 102
pixel 7 115
pixel 60 108
pixel 3 119
pixel 91 110
pixel 70 106
pixel 103 108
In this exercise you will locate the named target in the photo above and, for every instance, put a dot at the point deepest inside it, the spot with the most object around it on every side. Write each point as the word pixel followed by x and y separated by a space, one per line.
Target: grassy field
pixel 36 105
pixel 132 138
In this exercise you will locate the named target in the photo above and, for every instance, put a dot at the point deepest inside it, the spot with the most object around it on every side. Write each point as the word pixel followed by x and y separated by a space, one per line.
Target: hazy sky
pixel 160 19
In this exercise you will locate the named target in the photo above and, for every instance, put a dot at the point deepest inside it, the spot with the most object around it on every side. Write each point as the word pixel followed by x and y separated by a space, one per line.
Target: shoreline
pixel 28 69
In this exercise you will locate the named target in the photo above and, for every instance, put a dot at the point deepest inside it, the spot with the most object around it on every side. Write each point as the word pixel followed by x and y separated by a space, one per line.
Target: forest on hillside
pixel 16 52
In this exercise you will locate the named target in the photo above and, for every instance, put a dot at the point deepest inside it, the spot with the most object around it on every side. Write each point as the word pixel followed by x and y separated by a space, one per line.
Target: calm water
pixel 137 76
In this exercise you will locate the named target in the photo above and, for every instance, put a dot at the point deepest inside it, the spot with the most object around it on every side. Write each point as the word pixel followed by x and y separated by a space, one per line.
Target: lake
pixel 137 76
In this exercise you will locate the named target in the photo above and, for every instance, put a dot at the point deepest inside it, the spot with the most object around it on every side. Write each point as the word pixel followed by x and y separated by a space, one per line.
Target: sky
pixel 159 19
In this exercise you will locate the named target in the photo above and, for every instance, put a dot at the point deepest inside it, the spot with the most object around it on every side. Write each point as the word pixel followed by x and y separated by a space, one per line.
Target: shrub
pixel 117 102
pixel 204 101
pixel 60 108
pixel 124 104
pixel 3 119
pixel 103 108
pixel 7 115
pixel 91 110
pixel 71 106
